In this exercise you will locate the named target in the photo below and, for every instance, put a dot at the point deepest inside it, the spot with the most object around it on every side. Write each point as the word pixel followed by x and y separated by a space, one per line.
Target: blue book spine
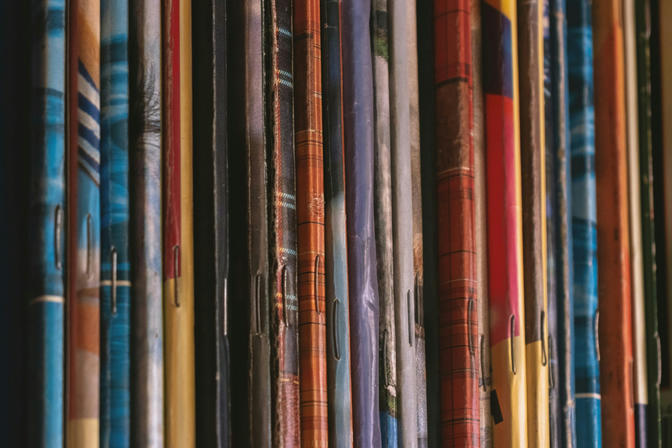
pixel 115 265
pixel 47 219
pixel 582 116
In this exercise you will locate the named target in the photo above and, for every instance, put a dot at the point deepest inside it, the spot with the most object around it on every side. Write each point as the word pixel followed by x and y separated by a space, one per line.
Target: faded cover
pixel 640 379
pixel 83 408
pixel 584 231
pixel 505 257
pixel 211 224
pixel 402 223
pixel 145 200
pixel 533 168
pixel 416 197
pixel 339 397
pixel 613 239
pixel 647 180
pixel 178 254
pixel 387 357
pixel 458 288
pixel 115 274
pixel 481 230
pixel 551 254
pixel 358 116
pixel 283 304
pixel 47 226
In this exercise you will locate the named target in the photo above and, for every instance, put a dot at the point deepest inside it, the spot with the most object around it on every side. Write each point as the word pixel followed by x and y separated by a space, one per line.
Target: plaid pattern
pixel 84 229
pixel 310 201
pixel 613 235
pixel 46 220
pixel 582 126
pixel 285 306
pixel 458 315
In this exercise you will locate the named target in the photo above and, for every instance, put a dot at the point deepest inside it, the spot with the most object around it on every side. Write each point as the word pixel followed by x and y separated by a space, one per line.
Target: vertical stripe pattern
pixel 84 226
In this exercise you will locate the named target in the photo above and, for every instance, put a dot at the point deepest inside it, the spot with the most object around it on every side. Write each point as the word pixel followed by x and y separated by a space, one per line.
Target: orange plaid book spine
pixel 458 307
pixel 310 211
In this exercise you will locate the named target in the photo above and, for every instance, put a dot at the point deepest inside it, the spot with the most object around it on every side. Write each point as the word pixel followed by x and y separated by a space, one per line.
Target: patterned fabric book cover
pixel 178 254
pixel 458 290
pixel 83 285
pixel 115 275
pixel 402 223
pixel 505 257
pixel 283 306
pixel 47 226
pixel 647 181
pixel 640 377
pixel 211 224
pixel 358 122
pixel 144 127
pixel 383 218
pixel 310 213
pixel 613 239
pixel 584 231
pixel 481 229
pixel 551 254
pixel 416 197
pixel 339 396
pixel 533 182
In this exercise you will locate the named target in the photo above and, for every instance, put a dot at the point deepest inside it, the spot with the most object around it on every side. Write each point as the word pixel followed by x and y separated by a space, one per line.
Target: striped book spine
pixel 533 181
pixel 310 213
pixel 339 396
pixel 284 308
pixel 83 408
pixel 613 239
pixel 584 231
pixel 505 258
pixel 458 299
pixel 46 226
pixel 145 222
pixel 115 328
pixel 178 255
